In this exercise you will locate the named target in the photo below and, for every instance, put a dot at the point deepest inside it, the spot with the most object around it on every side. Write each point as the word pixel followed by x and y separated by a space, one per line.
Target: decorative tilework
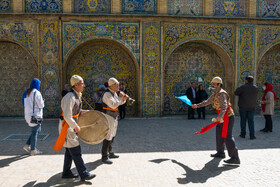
pixel 236 8
pixel 76 33
pixel 24 33
pixel 50 67
pixel 92 6
pixel 17 69
pixel 139 6
pixel 190 62
pixel 268 8
pixel 246 53
pixel 268 35
pixel 185 7
pixel 175 34
pixel 5 6
pixel 45 6
pixel 151 69
pixel 99 60
pixel 269 71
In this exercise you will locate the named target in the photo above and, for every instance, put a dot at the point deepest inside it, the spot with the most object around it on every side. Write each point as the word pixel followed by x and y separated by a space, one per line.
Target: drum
pixel 94 127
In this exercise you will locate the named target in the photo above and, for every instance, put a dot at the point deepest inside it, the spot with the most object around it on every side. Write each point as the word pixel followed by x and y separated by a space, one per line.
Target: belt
pixel 225 125
pixel 62 136
pixel 110 109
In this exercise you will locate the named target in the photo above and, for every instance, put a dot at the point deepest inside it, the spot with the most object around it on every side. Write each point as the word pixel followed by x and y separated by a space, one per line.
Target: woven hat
pixel 75 79
pixel 217 80
pixel 112 81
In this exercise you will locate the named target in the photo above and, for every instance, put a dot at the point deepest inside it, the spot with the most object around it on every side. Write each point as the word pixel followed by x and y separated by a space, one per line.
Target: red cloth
pixel 225 125
pixel 269 88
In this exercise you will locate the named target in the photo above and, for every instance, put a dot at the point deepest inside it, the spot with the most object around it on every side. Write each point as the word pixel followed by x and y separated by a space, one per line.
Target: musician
pixel 221 102
pixel 71 105
pixel 111 101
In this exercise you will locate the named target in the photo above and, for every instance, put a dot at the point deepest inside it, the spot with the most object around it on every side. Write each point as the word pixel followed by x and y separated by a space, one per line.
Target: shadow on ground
pixel 144 135
pixel 56 180
pixel 7 161
pixel 209 170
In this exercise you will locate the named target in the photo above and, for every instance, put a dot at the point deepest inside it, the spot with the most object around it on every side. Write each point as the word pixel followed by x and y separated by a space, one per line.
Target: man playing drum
pixel 111 102
pixel 71 105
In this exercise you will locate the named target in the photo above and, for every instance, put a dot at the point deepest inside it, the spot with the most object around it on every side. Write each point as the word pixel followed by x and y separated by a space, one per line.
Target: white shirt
pixel 193 91
pixel 38 106
pixel 67 104
pixel 112 102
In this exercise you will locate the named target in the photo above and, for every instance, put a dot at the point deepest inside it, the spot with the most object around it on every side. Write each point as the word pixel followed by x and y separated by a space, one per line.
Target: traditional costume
pixel 110 102
pixel 71 105
pixel 221 102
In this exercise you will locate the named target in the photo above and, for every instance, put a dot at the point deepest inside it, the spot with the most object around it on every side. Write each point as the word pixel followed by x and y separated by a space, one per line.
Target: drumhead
pixel 94 127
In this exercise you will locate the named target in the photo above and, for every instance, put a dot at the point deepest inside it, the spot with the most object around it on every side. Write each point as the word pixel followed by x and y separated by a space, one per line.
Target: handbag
pixel 35 119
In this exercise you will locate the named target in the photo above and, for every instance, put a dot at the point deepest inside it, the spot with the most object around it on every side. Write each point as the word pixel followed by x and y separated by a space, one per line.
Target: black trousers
pixel 228 141
pixel 268 122
pixel 122 111
pixel 201 110
pixel 107 147
pixel 190 112
pixel 75 155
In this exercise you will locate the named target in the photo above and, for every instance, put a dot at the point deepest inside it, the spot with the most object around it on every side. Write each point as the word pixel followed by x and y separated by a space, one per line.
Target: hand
pixel 218 119
pixel 84 111
pixel 194 106
pixel 77 129
pixel 125 97
pixel 121 94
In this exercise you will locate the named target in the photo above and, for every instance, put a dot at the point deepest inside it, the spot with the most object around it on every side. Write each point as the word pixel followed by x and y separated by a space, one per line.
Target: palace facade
pixel 155 47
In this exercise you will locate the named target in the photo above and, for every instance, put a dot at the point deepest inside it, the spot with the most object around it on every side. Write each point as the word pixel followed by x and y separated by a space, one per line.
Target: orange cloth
pixel 62 136
pixel 110 109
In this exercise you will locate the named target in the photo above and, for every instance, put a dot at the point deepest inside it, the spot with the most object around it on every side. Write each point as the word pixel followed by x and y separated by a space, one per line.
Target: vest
pixel 217 104
pixel 114 114
pixel 77 106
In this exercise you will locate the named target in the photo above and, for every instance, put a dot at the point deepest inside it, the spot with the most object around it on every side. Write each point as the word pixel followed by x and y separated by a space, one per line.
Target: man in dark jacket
pixel 247 104
pixel 191 94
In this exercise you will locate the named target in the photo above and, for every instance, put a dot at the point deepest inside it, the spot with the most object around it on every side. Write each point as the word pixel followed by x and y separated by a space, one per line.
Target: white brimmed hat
pixel 112 81
pixel 75 79
pixel 217 80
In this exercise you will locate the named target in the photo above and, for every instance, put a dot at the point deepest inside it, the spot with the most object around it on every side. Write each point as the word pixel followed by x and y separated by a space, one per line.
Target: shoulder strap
pixel 34 100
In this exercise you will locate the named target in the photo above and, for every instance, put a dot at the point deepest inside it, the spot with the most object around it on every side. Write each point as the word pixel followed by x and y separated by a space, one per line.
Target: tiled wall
pixel 43 6
pixel 5 6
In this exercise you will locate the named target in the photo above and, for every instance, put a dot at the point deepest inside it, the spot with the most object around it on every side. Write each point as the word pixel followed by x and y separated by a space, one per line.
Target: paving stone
pixel 153 152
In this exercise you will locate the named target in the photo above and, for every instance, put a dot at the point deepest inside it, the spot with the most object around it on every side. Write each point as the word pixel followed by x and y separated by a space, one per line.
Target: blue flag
pixel 185 99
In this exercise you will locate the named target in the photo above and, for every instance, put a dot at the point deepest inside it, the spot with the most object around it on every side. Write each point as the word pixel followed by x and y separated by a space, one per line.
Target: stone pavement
pixel 153 152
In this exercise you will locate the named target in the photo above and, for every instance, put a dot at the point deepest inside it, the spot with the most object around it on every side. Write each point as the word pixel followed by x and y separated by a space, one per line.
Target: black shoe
pixel 89 177
pixel 263 130
pixel 218 155
pixel 232 161
pixel 71 176
pixel 242 136
pixel 112 155
pixel 267 130
pixel 252 138
pixel 106 160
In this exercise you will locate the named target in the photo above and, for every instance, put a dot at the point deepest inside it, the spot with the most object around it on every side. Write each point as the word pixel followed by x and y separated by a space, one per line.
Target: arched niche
pixel 99 59
pixel 268 70
pixel 198 61
pixel 17 69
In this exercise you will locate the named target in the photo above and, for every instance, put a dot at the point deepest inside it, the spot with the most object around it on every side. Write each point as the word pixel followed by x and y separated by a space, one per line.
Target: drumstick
pixel 88 125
